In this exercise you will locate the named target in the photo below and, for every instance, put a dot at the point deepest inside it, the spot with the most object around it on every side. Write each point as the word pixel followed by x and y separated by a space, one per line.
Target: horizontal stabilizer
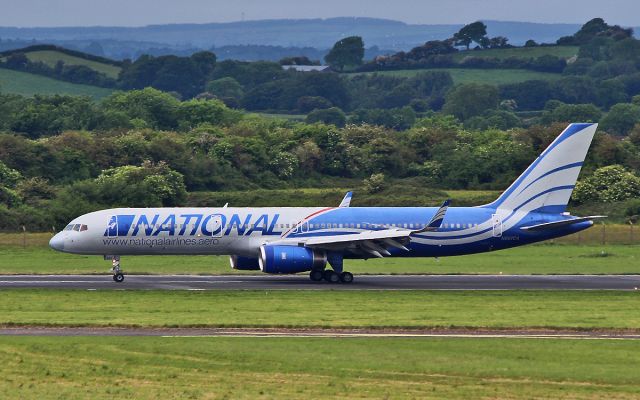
pixel 559 224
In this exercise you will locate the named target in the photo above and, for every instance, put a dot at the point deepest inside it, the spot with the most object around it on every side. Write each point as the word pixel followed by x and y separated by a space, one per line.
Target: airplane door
pixel 497 225
pixel 215 224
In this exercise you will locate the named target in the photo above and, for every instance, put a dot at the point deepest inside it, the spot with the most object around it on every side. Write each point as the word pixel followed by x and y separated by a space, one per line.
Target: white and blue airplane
pixel 289 240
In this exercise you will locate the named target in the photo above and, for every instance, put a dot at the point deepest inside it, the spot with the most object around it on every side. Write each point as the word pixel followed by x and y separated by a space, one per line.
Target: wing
pixel 370 243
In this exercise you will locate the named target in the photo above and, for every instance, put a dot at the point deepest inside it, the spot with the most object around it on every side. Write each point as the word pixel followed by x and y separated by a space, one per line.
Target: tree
pixel 621 118
pixel 333 116
pixel 607 184
pixel 573 113
pixel 347 52
pixel 466 101
pixel 157 109
pixel 225 88
pixel 150 185
pixel 473 32
pixel 205 61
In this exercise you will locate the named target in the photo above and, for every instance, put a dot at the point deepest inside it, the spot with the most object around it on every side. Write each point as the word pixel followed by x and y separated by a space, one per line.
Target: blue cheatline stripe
pixel 513 212
pixel 554 189
pixel 567 133
pixel 316 234
pixel 553 171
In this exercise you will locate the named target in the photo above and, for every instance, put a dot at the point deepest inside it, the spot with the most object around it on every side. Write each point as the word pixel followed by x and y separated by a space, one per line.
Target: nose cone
pixel 57 243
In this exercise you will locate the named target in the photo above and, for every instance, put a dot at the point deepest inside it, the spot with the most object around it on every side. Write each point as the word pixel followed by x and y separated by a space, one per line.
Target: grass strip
pixel 243 368
pixel 323 309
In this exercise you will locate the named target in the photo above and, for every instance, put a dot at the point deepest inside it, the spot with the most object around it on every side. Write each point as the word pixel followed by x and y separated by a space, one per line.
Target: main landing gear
pixel 335 275
pixel 331 276
pixel 118 276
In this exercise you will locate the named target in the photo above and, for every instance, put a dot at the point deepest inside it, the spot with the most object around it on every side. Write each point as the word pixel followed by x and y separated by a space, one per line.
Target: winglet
pixel 437 219
pixel 347 200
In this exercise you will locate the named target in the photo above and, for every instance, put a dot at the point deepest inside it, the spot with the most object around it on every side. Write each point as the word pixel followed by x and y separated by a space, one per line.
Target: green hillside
pixel 490 76
pixel 520 52
pixel 29 84
pixel 51 57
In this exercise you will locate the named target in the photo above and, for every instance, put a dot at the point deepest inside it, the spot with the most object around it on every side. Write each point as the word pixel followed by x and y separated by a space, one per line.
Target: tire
pixel 119 277
pixel 331 277
pixel 316 275
pixel 346 277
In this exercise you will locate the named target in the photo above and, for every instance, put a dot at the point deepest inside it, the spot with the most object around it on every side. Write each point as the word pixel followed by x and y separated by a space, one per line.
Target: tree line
pixel 146 148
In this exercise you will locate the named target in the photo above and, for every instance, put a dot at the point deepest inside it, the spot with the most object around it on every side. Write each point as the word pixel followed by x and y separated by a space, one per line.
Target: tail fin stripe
pixel 553 171
pixel 555 189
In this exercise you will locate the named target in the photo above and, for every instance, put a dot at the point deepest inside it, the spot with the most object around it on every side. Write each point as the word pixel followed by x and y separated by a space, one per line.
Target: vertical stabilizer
pixel 547 184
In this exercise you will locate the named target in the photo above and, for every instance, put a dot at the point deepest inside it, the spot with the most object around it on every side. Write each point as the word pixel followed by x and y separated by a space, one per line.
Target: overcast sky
pixel 144 12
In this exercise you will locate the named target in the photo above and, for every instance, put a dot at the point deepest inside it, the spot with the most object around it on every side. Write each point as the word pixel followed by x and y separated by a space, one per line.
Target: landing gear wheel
pixel 346 277
pixel 119 277
pixel 331 276
pixel 316 275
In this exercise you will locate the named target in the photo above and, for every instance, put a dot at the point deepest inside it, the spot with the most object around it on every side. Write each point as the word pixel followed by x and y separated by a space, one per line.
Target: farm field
pixel 371 309
pixel 26 84
pixel 51 57
pixel 487 76
pixel 322 368
pixel 520 52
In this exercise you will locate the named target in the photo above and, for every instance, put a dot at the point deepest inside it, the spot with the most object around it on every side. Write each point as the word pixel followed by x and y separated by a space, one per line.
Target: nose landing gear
pixel 118 276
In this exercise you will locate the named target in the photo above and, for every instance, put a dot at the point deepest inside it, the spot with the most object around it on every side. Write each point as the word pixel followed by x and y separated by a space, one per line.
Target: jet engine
pixel 290 259
pixel 244 263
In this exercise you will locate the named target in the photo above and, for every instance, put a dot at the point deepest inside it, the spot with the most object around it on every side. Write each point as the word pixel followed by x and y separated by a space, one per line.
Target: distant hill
pixel 118 42
pixel 50 55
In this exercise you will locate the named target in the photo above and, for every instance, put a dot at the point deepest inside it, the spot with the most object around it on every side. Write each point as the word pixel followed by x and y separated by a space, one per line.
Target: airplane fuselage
pixel 241 231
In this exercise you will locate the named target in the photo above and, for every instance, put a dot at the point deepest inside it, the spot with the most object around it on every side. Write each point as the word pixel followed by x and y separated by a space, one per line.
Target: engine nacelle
pixel 244 263
pixel 290 259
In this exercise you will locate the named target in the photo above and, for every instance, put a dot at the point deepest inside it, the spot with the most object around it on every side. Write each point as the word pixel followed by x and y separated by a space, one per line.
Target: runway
pixel 302 282
pixel 321 333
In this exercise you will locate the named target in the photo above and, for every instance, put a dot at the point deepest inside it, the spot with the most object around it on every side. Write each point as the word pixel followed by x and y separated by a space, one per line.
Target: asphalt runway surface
pixel 298 282
pixel 317 332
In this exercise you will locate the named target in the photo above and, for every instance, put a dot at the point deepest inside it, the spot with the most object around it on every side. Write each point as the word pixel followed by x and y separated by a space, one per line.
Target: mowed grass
pixel 325 309
pixel 486 76
pixel 520 52
pixel 51 58
pixel 26 84
pixel 316 368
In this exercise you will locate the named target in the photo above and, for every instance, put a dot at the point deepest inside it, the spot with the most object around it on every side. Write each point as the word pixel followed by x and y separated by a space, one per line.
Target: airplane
pixel 289 240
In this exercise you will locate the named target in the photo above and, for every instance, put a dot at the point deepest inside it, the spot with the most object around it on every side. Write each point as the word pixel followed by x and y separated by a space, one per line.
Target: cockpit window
pixel 83 228
pixel 76 227
pixel 68 227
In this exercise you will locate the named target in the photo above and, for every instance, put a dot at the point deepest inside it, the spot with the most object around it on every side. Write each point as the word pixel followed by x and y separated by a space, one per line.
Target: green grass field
pixel 314 368
pixel 488 76
pixel 30 84
pixel 326 309
pixel 51 57
pixel 520 52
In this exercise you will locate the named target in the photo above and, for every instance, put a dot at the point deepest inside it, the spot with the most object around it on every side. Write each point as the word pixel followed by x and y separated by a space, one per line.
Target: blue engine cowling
pixel 244 263
pixel 290 259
